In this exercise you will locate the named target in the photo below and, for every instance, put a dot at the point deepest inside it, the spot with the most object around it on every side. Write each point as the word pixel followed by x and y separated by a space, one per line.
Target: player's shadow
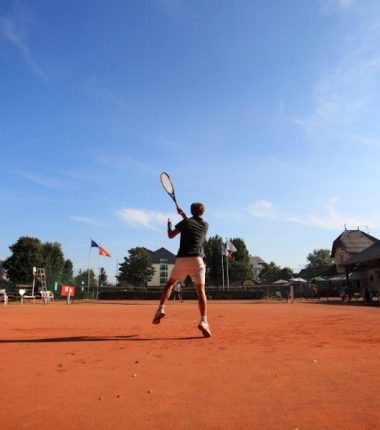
pixel 130 338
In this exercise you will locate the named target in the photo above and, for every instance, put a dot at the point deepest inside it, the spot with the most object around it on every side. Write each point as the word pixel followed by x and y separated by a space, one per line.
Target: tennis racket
pixel 168 186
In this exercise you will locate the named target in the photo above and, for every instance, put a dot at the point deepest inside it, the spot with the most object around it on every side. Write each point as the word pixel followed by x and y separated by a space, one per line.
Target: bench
pixel 4 297
pixel 47 296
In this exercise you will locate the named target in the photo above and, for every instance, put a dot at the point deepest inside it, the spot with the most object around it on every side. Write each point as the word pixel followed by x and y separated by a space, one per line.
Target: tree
pixel 319 261
pixel 82 278
pixel 286 273
pixel 213 250
pixel 68 273
pixel 29 252
pixel 272 273
pixel 102 276
pixel 137 269
pixel 239 266
pixel 26 254
pixel 53 262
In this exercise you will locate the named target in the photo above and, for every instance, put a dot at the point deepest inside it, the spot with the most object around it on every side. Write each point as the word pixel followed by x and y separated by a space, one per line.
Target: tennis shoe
pixel 160 313
pixel 204 328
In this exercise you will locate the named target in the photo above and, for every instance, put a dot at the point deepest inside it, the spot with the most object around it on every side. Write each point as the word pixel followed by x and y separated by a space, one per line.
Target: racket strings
pixel 167 184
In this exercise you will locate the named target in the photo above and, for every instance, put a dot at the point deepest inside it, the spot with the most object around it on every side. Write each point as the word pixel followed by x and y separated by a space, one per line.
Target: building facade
pixel 163 263
pixel 258 265
pixel 365 266
pixel 348 244
pixel 3 272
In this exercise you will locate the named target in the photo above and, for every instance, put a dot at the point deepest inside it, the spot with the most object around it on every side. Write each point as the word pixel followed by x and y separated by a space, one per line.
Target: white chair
pixel 4 296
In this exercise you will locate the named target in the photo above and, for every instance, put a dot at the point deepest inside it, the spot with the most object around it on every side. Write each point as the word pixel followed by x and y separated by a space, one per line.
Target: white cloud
pixel 142 218
pixel 335 219
pixel 330 217
pixel 329 6
pixel 41 180
pixel 227 216
pixel 345 93
pixel 84 219
pixel 12 29
pixel 361 140
pixel 348 91
pixel 124 163
pixel 262 209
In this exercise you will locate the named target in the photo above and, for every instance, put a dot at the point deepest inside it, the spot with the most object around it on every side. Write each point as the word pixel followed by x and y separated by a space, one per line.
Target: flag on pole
pixel 230 246
pixel 228 249
pixel 94 244
pixel 103 252
pixel 225 251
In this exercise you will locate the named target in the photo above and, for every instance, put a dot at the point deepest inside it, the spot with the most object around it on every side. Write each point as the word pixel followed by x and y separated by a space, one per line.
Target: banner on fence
pixel 67 290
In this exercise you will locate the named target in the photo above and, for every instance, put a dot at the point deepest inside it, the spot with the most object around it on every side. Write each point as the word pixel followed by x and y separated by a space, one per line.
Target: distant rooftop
pixel 255 261
pixel 162 254
pixel 370 254
pixel 353 241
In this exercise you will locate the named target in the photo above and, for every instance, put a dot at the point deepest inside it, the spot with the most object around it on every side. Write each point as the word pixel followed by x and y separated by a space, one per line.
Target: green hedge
pixel 155 294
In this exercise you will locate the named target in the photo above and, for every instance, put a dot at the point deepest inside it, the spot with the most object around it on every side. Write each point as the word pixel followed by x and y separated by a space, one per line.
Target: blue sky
pixel 268 112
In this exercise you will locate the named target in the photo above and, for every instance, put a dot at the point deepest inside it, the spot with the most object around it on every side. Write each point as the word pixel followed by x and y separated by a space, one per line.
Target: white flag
pixel 230 246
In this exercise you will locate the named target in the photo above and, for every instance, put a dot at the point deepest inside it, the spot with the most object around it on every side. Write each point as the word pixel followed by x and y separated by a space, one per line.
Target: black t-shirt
pixel 193 233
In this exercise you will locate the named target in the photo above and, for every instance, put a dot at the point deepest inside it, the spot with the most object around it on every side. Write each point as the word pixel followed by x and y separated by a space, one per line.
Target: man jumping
pixel 189 261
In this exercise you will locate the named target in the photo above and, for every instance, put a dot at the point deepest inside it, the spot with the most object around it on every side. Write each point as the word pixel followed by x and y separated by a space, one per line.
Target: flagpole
pixel 117 266
pixel 98 271
pixel 93 291
pixel 228 279
pixel 222 265
pixel 97 289
pixel 88 270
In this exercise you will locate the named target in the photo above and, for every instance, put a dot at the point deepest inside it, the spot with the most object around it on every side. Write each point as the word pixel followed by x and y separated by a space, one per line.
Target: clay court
pixel 268 366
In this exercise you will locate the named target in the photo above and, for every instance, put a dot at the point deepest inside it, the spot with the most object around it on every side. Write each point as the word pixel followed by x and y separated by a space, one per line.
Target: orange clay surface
pixel 267 366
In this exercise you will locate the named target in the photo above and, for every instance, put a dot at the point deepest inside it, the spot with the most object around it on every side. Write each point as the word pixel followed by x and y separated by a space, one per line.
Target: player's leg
pixel 202 303
pixel 198 276
pixel 202 300
pixel 160 313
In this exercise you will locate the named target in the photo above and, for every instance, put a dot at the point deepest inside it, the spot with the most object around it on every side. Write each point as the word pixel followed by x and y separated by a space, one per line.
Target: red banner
pixel 67 290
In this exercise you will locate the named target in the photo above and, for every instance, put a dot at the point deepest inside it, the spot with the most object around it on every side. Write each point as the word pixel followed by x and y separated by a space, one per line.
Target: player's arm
pixel 181 212
pixel 172 232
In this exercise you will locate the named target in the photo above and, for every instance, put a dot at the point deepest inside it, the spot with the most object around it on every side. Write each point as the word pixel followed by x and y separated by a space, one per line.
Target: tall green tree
pixel 82 278
pixel 68 273
pixel 239 265
pixel 272 273
pixel 286 273
pixel 319 261
pixel 53 262
pixel 26 254
pixel 29 252
pixel 213 250
pixel 102 277
pixel 137 269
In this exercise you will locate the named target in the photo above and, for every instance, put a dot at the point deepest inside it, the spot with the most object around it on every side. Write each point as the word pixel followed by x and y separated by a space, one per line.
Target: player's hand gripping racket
pixel 168 186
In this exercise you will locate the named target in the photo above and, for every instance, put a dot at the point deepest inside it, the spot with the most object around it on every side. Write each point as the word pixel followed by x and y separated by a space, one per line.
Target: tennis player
pixel 189 261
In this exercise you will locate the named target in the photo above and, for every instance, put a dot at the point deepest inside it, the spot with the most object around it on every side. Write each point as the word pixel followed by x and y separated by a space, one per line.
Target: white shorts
pixel 192 266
